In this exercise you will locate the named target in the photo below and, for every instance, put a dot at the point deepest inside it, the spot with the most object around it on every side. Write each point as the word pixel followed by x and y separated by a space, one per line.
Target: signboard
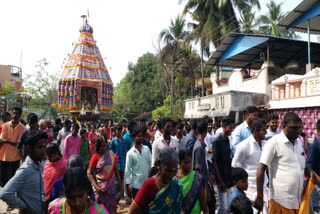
pixel 204 107
pixel 313 86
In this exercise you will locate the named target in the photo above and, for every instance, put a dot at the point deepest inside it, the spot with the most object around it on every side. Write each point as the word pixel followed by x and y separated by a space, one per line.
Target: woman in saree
pixel 194 192
pixel 92 136
pixel 77 189
pixel 102 172
pixel 161 193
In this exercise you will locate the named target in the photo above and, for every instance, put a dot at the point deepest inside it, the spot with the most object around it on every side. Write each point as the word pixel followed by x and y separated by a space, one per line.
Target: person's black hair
pixel 273 117
pixel 136 131
pixel 238 174
pixel 159 124
pixel 17 109
pixel 57 121
pixel 143 120
pixel 251 109
pixel 202 126
pixel 188 127
pixel 32 118
pixel 180 126
pixel 318 125
pixel 258 124
pixel 52 149
pixel 67 122
pixel 119 127
pixel 174 124
pixel 83 131
pixel 75 161
pixel 6 114
pixel 150 123
pixel 123 121
pixel 106 120
pixel 183 153
pixel 217 124
pixel 131 124
pixel 76 178
pixel 75 126
pixel 34 136
pixel 165 120
pixel 100 139
pixel 290 116
pixel 194 124
pixel 209 119
pixel 226 121
pixel 241 205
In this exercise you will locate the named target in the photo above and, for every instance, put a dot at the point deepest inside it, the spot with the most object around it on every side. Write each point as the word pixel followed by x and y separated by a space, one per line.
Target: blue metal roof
pixel 242 50
pixel 241 44
pixel 309 14
pixel 297 19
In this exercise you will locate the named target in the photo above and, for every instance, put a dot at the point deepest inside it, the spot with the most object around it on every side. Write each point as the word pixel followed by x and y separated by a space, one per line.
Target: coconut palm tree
pixel 172 39
pixel 247 22
pixel 269 21
pixel 216 18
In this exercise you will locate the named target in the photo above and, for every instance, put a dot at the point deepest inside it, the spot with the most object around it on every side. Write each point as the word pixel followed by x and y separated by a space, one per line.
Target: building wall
pixel 308 115
pixel 222 104
pixel 5 71
pixel 258 84
pixel 6 76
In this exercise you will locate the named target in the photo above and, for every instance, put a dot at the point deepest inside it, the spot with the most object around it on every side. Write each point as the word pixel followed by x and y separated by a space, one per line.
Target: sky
pixel 124 30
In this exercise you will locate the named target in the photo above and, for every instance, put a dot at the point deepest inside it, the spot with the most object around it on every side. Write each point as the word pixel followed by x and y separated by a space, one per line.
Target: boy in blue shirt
pixel 240 180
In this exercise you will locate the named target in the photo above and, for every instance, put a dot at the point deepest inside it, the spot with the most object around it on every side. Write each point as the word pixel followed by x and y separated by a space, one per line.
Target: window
pixel 222 102
pixel 190 106
pixel 217 102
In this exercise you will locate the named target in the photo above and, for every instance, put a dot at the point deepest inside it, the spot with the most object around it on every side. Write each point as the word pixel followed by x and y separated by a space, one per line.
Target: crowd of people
pixel 162 166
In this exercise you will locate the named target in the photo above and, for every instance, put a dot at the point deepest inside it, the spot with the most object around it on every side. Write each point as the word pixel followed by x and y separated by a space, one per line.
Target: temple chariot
pixel 85 88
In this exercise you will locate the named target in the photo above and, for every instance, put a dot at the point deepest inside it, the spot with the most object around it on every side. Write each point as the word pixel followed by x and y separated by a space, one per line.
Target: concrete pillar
pixel 287 91
pixel 273 92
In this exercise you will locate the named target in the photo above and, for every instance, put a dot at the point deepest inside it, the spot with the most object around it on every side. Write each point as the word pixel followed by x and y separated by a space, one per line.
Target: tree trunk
pixel 171 95
pixel 202 76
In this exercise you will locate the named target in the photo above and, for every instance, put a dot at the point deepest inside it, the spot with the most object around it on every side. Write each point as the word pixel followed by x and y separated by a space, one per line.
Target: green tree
pixel 215 18
pixel 172 40
pixel 142 89
pixel 40 91
pixel 10 95
pixel 267 23
pixel 247 21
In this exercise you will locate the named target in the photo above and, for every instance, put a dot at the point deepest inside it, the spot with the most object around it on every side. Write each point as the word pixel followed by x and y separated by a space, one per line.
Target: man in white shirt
pixel 165 140
pixel 248 155
pixel 208 140
pixel 138 163
pixel 273 122
pixel 284 158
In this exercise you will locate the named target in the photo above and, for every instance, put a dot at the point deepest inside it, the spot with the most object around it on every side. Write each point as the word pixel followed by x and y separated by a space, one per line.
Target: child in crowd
pixel 240 180
pixel 54 168
pixel 241 205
